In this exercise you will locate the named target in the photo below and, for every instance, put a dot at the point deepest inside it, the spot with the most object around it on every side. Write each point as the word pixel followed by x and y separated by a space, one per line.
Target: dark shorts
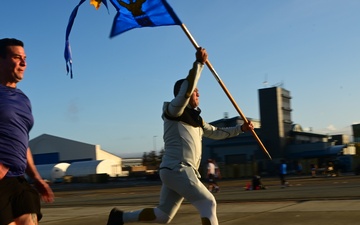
pixel 211 178
pixel 17 197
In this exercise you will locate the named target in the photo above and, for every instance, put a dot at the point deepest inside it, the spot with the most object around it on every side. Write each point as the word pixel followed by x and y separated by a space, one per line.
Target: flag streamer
pixel 67 52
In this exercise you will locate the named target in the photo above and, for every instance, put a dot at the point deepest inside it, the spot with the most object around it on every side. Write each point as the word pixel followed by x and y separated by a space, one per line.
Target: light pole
pixel 154 142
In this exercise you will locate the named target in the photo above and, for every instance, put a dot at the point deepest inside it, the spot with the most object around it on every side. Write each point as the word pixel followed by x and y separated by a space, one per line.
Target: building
pixel 275 117
pixel 234 150
pixel 82 158
pixel 356 132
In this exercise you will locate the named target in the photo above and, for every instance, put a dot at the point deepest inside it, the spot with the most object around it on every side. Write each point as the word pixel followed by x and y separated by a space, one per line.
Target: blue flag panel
pixel 142 13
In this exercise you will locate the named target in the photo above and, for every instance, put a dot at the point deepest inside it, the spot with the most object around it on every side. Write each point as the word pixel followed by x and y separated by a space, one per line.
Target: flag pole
pixel 187 32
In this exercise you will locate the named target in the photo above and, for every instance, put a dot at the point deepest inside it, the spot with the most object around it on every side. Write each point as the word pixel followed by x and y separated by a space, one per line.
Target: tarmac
pixel 245 207
pixel 333 212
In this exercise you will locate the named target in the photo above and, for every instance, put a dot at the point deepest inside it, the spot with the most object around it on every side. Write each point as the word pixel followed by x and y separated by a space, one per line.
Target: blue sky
pixel 310 47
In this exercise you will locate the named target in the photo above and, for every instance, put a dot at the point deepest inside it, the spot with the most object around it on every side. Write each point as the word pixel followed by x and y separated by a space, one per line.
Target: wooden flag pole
pixel 225 90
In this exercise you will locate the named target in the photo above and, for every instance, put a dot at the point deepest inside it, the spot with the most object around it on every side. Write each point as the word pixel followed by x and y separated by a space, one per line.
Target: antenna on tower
pixel 265 83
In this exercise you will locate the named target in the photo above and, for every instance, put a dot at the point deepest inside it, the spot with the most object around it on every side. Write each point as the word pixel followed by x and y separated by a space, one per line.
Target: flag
pixel 130 14
pixel 142 13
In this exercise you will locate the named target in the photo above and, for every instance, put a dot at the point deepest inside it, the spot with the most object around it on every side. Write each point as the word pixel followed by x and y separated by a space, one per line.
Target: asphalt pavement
pixel 307 201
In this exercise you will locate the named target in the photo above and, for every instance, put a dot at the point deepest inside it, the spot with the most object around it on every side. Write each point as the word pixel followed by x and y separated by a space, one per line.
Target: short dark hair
pixel 5 42
pixel 177 86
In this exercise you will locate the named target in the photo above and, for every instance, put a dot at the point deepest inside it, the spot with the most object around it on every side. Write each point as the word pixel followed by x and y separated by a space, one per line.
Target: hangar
pixel 52 154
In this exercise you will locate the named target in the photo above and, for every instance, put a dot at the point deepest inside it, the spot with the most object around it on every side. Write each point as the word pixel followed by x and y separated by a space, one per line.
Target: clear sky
pixel 310 47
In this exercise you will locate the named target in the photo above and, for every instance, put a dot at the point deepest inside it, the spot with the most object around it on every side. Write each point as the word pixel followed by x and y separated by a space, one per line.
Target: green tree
pixel 152 158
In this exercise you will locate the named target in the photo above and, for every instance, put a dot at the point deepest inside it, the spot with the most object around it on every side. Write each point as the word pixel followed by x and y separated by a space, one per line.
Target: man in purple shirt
pixel 19 201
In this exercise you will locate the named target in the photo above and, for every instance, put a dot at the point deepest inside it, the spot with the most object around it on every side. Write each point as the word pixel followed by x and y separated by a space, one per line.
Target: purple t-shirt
pixel 16 121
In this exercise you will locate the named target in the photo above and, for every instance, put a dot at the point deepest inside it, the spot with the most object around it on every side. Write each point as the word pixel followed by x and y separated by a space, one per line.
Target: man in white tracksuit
pixel 183 131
